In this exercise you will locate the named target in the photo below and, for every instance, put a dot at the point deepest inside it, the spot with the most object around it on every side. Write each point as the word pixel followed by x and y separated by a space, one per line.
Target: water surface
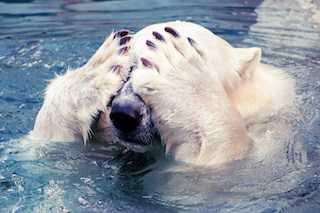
pixel 41 38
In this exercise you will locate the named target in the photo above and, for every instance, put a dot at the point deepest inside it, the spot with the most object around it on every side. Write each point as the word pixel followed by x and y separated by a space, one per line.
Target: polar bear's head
pixel 195 92
pixel 133 118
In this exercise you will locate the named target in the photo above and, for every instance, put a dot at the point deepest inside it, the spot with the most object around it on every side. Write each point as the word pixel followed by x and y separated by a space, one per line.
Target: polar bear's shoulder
pixel 268 90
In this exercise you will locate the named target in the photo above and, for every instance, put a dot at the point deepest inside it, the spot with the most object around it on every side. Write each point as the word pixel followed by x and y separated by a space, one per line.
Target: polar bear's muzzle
pixel 126 117
pixel 131 120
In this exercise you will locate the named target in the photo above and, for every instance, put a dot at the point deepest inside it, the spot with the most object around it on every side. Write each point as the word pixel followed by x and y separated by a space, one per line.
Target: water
pixel 41 38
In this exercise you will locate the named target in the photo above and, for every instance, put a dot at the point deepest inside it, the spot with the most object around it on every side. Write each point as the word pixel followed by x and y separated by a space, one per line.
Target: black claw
pixel 172 31
pixel 121 33
pixel 124 40
pixel 146 62
pixel 123 50
pixel 150 44
pixel 158 36
pixel 192 42
pixel 115 68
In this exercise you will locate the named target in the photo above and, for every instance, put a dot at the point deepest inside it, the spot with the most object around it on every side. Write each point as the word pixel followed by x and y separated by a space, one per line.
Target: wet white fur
pixel 201 101
pixel 73 99
pixel 203 97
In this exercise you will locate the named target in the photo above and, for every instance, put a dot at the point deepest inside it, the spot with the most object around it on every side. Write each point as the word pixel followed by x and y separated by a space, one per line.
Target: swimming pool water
pixel 40 38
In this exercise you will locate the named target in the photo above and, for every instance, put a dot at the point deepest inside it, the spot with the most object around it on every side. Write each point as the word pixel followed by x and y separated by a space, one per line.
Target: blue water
pixel 40 38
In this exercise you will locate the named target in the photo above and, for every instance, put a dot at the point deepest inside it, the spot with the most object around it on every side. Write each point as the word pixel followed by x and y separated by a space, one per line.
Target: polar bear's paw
pixel 113 54
pixel 170 51
pixel 76 98
pixel 171 61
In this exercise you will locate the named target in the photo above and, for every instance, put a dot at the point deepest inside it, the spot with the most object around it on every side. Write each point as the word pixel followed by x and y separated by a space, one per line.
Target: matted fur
pixel 202 94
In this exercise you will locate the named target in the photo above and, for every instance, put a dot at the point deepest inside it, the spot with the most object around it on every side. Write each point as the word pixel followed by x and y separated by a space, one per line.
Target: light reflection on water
pixel 41 38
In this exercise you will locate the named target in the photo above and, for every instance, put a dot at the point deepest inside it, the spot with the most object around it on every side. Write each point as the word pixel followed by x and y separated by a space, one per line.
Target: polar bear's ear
pixel 246 60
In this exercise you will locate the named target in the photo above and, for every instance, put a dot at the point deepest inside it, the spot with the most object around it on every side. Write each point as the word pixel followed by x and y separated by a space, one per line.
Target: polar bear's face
pixel 131 120
pixel 176 66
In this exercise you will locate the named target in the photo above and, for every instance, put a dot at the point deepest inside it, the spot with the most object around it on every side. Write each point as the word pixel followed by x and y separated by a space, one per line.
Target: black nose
pixel 125 118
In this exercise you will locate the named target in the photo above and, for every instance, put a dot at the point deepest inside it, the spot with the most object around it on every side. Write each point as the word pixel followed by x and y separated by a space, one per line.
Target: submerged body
pixel 175 81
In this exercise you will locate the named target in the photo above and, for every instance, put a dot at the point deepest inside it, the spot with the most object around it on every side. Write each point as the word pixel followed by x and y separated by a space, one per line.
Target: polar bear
pixel 173 82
